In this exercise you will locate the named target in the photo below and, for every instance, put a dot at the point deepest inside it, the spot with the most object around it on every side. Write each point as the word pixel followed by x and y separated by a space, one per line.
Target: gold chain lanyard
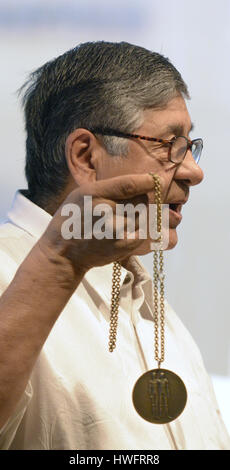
pixel 114 305
pixel 159 395
pixel 158 277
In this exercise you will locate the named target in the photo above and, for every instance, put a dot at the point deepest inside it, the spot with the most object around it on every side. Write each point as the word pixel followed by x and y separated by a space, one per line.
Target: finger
pixel 120 187
pixel 127 246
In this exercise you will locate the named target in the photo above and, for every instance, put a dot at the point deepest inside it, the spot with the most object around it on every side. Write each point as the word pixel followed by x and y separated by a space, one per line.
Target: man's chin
pixel 173 239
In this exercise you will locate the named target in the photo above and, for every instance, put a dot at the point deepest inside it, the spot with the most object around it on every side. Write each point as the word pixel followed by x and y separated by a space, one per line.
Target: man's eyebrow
pixel 177 129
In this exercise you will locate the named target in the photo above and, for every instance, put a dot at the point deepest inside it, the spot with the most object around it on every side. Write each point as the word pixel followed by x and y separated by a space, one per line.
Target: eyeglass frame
pixel 115 133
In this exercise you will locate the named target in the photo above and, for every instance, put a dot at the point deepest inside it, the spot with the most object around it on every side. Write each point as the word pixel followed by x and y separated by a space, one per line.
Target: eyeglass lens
pixel 180 146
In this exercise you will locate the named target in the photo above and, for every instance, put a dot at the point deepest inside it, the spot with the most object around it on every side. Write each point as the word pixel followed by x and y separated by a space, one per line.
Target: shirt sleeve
pixel 9 429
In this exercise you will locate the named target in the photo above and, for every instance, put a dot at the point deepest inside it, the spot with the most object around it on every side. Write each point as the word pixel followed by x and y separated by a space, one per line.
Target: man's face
pixel 145 157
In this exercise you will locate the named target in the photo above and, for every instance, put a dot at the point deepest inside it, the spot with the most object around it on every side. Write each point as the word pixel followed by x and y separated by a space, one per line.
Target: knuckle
pixel 128 187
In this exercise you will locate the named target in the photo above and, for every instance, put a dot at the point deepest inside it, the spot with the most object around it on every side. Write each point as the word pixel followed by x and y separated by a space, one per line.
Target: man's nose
pixel 189 170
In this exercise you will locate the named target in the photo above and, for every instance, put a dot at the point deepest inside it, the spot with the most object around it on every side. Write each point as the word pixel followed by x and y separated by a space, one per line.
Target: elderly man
pixel 99 119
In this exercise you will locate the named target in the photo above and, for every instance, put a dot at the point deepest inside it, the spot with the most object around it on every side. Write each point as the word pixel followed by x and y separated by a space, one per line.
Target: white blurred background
pixel 196 37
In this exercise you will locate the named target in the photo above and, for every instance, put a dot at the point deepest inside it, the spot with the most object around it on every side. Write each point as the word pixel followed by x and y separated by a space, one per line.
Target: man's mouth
pixel 175 207
pixel 175 211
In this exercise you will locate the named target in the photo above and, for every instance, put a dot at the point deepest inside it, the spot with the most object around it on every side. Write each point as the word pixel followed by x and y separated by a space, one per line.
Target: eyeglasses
pixel 177 147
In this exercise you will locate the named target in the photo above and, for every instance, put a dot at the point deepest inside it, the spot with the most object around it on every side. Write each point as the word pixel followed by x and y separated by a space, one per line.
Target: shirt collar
pixel 27 215
pixel 34 220
pixel 100 278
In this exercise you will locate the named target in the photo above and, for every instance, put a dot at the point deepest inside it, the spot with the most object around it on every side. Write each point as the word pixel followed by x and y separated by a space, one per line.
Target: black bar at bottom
pixel 102 459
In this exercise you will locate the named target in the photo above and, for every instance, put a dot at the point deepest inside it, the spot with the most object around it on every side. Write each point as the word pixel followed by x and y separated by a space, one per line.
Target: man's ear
pixel 80 148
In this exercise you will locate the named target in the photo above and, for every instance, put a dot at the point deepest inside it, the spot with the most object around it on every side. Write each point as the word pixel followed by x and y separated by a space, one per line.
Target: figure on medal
pixel 163 395
pixel 153 393
pixel 159 395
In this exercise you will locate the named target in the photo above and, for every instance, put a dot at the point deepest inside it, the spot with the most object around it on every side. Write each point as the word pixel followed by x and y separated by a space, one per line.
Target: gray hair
pixel 96 84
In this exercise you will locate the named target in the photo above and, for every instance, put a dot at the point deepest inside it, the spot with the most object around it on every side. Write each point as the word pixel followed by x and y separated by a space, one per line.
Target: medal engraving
pixel 159 396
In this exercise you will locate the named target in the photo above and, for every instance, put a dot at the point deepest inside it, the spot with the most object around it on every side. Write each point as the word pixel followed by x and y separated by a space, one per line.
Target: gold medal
pixel 159 396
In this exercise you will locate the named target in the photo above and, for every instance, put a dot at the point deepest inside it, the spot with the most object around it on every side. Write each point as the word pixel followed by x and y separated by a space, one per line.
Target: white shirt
pixel 79 395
